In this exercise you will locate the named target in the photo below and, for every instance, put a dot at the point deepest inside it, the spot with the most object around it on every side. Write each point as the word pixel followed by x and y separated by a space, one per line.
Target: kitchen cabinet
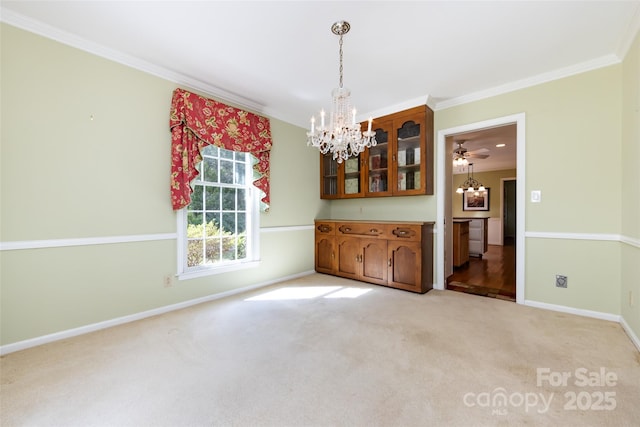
pixel 460 242
pixel 394 254
pixel 478 235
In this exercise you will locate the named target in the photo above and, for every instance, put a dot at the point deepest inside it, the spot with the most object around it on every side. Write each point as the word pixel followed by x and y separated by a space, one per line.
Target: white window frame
pixel 253 236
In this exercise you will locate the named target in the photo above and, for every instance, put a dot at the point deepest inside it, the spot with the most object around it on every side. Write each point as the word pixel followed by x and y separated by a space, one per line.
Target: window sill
pixel 218 270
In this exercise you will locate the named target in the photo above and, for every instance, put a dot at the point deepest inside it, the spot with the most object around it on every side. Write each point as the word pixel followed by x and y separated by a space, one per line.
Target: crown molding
pixel 630 34
pixel 603 61
pixel 405 105
pixel 20 21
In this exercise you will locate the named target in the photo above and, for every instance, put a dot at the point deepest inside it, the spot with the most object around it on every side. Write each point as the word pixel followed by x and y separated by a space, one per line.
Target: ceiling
pixel 485 142
pixel 279 58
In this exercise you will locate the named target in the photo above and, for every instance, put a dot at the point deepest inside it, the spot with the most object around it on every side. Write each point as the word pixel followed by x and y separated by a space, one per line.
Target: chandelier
pixel 342 137
pixel 471 185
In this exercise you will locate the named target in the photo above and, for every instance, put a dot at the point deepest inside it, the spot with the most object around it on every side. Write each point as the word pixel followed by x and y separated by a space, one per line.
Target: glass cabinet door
pixel 408 156
pixel 328 176
pixel 352 178
pixel 378 165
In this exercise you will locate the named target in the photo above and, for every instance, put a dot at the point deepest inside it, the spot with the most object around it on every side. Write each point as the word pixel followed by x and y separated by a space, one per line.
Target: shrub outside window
pixel 218 230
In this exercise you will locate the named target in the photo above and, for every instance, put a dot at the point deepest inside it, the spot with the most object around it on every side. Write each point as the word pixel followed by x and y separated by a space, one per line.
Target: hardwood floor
pixel 493 275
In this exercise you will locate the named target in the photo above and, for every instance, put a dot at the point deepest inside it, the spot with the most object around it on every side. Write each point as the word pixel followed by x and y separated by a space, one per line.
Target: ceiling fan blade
pixel 477 156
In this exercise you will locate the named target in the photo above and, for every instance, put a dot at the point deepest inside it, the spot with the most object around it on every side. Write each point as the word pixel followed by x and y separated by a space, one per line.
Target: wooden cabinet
pixel 477 235
pixel 341 180
pixel 325 253
pixel 395 254
pixel 362 259
pixel 460 242
pixel 400 164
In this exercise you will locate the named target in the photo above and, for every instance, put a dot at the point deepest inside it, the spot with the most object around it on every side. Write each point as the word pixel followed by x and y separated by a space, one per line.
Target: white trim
pixel 583 67
pixel 519 119
pixel 573 236
pixel 33 342
pixel 630 241
pixel 85 241
pixel 410 103
pixel 634 338
pixel 48 31
pixel 572 310
pixel 105 240
pixel 286 228
pixel 219 269
pixel 630 34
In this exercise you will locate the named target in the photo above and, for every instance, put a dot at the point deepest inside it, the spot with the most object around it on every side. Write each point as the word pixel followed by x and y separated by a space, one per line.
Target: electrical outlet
pixel 561 281
pixel 168 282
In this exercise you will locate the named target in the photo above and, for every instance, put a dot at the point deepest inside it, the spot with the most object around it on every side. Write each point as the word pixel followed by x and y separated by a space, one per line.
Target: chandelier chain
pixel 340 61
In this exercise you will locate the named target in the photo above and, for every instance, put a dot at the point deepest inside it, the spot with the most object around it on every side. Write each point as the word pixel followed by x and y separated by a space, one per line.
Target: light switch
pixel 536 196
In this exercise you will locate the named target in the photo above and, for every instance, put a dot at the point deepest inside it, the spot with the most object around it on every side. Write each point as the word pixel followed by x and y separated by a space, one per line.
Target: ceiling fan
pixel 461 154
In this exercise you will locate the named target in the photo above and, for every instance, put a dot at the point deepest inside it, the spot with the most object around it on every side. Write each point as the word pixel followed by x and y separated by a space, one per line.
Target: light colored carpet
pixel 384 358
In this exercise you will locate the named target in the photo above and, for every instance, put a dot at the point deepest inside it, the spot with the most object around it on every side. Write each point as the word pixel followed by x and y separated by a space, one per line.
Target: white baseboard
pixel 634 338
pixel 57 336
pixel 571 310
pixel 589 313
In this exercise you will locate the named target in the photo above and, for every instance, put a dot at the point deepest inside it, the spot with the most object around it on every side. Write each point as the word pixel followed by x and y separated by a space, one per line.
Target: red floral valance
pixel 197 122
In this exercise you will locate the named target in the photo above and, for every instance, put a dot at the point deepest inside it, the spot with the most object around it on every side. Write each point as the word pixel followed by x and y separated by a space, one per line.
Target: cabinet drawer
pixel 326 228
pixel 408 232
pixel 361 229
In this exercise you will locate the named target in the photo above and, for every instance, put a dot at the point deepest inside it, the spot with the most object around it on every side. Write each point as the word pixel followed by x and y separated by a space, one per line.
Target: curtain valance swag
pixel 197 122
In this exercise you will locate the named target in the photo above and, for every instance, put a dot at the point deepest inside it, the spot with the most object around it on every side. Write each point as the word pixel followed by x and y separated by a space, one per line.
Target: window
pixel 218 231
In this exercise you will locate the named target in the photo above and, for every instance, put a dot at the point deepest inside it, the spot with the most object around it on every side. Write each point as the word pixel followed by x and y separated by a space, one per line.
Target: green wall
pixel 86 154
pixel 630 159
pixel 572 155
pixel 490 180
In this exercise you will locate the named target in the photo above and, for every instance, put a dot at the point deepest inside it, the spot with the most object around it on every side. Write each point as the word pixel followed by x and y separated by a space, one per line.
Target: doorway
pixel 445 193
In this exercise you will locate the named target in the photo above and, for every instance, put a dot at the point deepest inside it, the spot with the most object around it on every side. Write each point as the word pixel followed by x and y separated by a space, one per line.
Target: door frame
pixel 444 197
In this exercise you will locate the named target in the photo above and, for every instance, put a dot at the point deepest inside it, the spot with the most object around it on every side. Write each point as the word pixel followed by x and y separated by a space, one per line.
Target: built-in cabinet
pixel 395 254
pixel 400 164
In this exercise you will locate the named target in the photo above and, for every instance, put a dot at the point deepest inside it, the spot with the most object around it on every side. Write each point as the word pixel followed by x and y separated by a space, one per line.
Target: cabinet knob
pixel 373 230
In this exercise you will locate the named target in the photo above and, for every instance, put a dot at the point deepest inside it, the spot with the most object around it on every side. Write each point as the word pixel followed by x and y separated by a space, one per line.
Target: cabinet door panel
pixel 378 164
pixel 348 257
pixel 329 177
pixel 409 159
pixel 406 265
pixel 374 261
pixel 325 254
